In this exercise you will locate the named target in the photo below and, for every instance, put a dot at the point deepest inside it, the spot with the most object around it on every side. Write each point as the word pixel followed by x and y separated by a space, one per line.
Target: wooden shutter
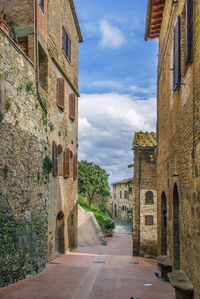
pixel 149 220
pixel 55 158
pixel 61 93
pixel 75 167
pixel 72 106
pixel 64 41
pixel 188 14
pixel 66 164
pixel 177 55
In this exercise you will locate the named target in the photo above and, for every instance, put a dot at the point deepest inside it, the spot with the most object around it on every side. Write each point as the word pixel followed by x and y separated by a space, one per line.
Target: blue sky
pixel 117 82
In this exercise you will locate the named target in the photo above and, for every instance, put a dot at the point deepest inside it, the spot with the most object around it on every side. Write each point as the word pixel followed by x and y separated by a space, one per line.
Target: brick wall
pixel 148 234
pixel 178 143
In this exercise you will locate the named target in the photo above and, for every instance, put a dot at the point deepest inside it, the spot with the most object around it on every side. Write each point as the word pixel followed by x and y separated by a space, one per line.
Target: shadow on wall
pixel 72 227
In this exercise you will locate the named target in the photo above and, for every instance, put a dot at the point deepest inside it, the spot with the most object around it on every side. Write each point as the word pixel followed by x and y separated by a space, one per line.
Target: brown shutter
pixel 72 106
pixel 189 24
pixel 149 220
pixel 75 167
pixel 177 55
pixel 61 93
pixel 55 159
pixel 66 164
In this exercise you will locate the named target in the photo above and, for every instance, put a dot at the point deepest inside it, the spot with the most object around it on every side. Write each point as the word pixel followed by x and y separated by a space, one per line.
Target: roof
pixel 76 20
pixel 154 17
pixel 125 181
pixel 145 139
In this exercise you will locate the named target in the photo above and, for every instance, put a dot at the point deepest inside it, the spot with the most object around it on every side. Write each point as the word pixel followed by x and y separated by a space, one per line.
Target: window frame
pixel 66 44
pixel 42 5
pixel 147 201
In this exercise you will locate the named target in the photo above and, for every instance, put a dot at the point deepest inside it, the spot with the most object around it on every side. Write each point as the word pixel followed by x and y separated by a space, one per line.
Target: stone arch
pixel 60 160
pixel 163 224
pixel 149 197
pixel 176 230
pixel 59 236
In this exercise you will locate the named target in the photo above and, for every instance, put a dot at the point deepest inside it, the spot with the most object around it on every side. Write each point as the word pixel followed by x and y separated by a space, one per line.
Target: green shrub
pixel 48 164
pixel 29 86
pixel 8 105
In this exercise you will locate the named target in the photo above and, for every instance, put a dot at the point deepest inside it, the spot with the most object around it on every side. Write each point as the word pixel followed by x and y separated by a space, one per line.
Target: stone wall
pixel 144 165
pixel 23 181
pixel 179 147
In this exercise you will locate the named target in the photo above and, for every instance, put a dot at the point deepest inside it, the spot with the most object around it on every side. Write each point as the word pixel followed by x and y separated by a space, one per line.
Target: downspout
pixel 37 59
pixel 139 186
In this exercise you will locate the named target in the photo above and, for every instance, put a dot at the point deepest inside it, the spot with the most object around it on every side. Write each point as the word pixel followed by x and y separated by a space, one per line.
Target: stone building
pixel 122 199
pixel 145 194
pixel 177 25
pixel 38 132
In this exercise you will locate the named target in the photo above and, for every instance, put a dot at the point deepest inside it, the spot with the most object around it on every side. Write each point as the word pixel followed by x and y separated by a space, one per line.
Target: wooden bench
pixel 182 285
pixel 164 265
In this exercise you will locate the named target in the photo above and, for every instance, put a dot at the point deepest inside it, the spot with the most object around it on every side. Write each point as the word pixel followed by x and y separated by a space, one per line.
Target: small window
pixel 189 31
pixel 66 44
pixel 149 197
pixel 55 158
pixel 130 190
pixel 126 194
pixel 114 195
pixel 149 220
pixel 120 194
pixel 42 5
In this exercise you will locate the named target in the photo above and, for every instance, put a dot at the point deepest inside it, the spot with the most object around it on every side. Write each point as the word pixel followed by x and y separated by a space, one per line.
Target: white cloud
pixel 107 123
pixel 111 36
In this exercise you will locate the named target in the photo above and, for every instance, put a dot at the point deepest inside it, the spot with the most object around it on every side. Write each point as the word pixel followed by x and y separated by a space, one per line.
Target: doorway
pixel 176 230
pixel 163 224
pixel 59 237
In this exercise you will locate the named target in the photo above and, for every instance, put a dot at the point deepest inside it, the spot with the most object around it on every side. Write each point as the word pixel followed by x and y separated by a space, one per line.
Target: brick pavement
pixel 95 272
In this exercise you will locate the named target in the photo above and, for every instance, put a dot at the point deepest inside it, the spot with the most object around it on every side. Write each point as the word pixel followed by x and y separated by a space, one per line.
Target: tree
pixel 92 181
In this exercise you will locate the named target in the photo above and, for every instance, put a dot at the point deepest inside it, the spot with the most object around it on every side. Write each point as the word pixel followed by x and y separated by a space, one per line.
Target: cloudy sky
pixel 117 82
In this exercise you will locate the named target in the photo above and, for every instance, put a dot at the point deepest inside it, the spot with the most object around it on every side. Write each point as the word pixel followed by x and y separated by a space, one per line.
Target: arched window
pixel 60 161
pixel 149 197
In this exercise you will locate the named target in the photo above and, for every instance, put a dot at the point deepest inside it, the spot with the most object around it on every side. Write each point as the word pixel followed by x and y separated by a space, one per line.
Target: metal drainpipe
pixel 139 184
pixel 37 58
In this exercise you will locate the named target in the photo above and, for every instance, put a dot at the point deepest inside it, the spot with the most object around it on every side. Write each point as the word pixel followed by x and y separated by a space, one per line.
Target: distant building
pixel 145 194
pixel 122 198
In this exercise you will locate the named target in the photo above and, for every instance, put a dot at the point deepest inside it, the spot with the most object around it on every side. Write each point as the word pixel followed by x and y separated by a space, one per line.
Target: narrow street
pixel 97 272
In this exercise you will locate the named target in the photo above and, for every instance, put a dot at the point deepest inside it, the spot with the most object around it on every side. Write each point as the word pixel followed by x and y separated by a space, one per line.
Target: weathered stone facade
pixel 178 139
pixel 39 210
pixel 122 199
pixel 145 194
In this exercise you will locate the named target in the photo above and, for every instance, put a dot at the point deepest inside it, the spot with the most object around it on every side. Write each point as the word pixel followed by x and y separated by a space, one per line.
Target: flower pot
pixel 4 27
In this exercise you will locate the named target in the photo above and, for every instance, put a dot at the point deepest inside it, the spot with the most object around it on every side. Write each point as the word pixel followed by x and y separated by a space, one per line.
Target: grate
pixel 98 262
pixel 54 263
pixel 134 263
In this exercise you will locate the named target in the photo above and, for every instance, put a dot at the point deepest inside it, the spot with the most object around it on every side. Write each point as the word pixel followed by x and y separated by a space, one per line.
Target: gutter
pixel 37 59
pixel 148 19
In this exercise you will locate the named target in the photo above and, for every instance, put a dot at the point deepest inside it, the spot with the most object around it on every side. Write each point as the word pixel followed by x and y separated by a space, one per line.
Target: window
pixel 61 93
pixel 120 194
pixel 55 158
pixel 130 190
pixel 126 194
pixel 189 29
pixel 42 5
pixel 177 56
pixel 149 197
pixel 148 219
pixel 75 165
pixel 114 195
pixel 66 44
pixel 72 106
pixel 60 161
pixel 66 163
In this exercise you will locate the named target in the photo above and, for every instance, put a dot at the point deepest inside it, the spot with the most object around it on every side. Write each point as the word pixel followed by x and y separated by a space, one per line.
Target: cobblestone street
pixel 100 272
